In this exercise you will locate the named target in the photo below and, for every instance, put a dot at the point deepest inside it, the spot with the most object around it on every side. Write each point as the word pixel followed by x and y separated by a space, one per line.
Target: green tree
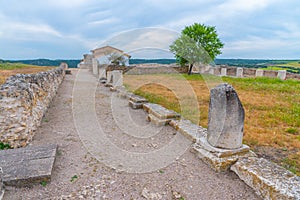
pixel 197 43
pixel 117 59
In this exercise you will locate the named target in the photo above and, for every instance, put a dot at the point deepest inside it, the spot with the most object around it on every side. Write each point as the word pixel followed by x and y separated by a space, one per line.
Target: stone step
pixel 268 179
pixel 160 112
pixel 188 129
pixel 24 166
pixel 136 102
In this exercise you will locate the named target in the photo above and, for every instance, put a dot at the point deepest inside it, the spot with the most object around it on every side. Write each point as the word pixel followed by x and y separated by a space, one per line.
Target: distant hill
pixel 290 65
pixel 45 62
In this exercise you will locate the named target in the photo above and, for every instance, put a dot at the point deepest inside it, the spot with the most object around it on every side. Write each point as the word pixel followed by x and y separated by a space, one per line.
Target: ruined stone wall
pixel 149 69
pixel 24 99
pixel 292 75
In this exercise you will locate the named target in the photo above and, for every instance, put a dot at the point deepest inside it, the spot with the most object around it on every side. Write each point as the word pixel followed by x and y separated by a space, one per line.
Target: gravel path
pixel 97 165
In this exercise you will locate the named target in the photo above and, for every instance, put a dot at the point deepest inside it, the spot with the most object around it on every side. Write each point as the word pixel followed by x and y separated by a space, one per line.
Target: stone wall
pixel 24 99
pixel 148 69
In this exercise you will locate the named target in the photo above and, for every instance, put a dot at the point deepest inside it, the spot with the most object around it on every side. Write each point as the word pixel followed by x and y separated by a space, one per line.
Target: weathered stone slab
pixel 269 180
pixel 239 72
pixel 117 80
pixel 281 74
pixel 226 118
pixel 259 73
pixel 219 159
pixel 136 102
pixel 188 129
pixel 223 71
pixel 157 121
pixel 160 112
pixel 138 99
pixel 211 71
pixel 28 165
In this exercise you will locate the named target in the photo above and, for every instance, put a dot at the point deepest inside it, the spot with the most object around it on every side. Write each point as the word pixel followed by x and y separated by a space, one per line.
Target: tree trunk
pixel 190 69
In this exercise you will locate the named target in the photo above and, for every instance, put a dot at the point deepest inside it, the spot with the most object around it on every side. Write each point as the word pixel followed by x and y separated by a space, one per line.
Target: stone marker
pixel 282 74
pixel 223 71
pixel 259 73
pixel 239 72
pixel 211 71
pixel 95 66
pixel 226 118
pixel 109 79
pixel 117 78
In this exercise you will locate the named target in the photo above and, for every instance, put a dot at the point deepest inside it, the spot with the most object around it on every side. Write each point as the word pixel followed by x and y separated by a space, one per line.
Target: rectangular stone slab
pixel 160 112
pixel 28 165
pixel 268 179
pixel 188 129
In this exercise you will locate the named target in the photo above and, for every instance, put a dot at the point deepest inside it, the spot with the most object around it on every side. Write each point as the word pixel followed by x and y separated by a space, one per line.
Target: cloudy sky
pixel 53 29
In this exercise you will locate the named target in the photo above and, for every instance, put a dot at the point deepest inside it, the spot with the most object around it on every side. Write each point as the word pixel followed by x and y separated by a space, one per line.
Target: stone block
pixel 211 71
pixel 157 121
pixel 188 129
pixel 269 180
pixel 223 72
pixel 138 99
pixel 160 112
pixel 259 73
pixel 95 66
pixel 102 73
pixel 135 105
pixel 225 118
pixel 117 80
pixel 109 78
pixel 219 159
pixel 239 72
pixel 282 74
pixel 25 166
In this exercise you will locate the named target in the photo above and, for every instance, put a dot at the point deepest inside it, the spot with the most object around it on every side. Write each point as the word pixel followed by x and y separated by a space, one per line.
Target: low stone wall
pixel 290 75
pixel 248 72
pixel 148 69
pixel 24 99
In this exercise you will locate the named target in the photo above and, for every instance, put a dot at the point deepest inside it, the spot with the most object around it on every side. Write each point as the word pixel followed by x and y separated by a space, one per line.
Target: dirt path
pixel 83 169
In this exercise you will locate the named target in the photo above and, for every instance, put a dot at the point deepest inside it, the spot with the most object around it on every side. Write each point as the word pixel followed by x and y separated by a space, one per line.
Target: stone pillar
pixel 259 73
pixel 95 66
pixel 223 71
pixel 117 78
pixel 109 77
pixel 212 71
pixel 239 72
pixel 102 73
pixel 282 74
pixel 226 118
pixel 222 146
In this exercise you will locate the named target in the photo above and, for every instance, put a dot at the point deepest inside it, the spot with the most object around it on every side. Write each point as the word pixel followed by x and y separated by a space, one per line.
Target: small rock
pixel 176 195
pixel 150 196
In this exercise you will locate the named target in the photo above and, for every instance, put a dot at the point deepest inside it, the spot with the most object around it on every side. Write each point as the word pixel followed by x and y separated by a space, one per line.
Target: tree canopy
pixel 197 43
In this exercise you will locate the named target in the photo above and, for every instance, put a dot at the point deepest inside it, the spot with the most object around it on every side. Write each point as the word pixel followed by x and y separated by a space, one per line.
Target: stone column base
pixel 219 159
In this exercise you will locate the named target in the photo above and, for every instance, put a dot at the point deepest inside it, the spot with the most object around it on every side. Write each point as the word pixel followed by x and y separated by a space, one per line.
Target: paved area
pixel 127 158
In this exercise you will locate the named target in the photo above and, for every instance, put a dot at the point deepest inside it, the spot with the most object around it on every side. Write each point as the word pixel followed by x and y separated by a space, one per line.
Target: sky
pixel 67 29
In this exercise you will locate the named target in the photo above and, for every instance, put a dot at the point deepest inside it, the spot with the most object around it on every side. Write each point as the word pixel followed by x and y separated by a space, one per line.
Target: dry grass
pixel 7 70
pixel 272 106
